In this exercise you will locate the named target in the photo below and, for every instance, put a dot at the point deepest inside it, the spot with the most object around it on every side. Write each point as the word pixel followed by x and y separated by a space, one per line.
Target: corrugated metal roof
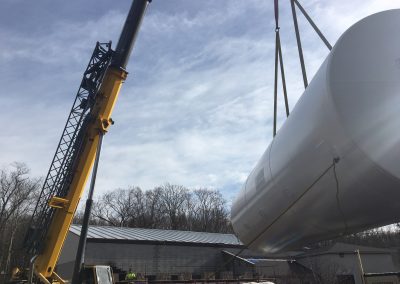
pixel 156 235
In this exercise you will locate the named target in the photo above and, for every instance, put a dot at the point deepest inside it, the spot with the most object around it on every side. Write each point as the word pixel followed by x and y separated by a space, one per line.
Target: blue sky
pixel 196 108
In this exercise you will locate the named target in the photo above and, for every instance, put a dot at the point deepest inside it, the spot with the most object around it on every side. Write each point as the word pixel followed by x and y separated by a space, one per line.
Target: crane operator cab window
pixel 99 274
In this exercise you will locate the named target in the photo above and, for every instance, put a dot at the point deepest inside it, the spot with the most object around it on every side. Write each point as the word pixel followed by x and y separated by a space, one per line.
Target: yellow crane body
pixel 66 207
pixel 78 152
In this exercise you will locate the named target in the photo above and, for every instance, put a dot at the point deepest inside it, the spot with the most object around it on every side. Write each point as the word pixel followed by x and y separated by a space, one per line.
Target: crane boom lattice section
pixel 61 171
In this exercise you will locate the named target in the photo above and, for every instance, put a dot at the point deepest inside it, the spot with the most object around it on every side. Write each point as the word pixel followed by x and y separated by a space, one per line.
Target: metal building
pixel 154 253
pixel 342 263
pixel 172 255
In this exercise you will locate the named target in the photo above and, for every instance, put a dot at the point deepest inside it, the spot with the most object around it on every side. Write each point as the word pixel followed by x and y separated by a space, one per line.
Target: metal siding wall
pixel 66 262
pixel 155 259
pixel 70 247
pixel 349 264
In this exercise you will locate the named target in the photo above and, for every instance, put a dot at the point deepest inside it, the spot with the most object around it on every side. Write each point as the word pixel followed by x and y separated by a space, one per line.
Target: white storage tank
pixel 350 113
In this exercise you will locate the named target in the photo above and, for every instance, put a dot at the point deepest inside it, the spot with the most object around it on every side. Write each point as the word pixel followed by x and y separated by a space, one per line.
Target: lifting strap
pixel 279 56
pixel 278 60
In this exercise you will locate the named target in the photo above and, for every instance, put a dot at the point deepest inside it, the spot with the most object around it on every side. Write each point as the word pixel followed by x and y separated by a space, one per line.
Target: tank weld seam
pixel 295 201
pixel 269 162
pixel 334 162
pixel 340 209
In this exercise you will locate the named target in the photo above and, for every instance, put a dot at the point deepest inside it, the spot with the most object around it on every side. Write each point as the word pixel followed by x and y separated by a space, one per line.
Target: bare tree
pixel 137 211
pixel 210 211
pixel 114 207
pixel 154 208
pixel 17 191
pixel 16 188
pixel 174 198
pixel 166 207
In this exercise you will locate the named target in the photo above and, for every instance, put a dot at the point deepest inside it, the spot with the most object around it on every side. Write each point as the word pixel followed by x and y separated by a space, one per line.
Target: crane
pixel 89 119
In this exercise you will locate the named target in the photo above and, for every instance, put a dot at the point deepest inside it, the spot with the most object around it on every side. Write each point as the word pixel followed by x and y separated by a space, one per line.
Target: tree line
pixel 18 194
pixel 167 206
pixel 164 207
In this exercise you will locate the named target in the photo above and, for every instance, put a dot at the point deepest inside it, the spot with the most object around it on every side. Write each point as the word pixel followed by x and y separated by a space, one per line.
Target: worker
pixel 130 275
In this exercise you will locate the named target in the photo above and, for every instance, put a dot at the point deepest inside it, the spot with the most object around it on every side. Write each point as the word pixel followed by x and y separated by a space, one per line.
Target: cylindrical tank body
pixel 350 113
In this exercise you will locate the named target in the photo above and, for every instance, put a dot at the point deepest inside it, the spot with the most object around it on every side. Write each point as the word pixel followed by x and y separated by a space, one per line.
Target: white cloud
pixel 197 106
